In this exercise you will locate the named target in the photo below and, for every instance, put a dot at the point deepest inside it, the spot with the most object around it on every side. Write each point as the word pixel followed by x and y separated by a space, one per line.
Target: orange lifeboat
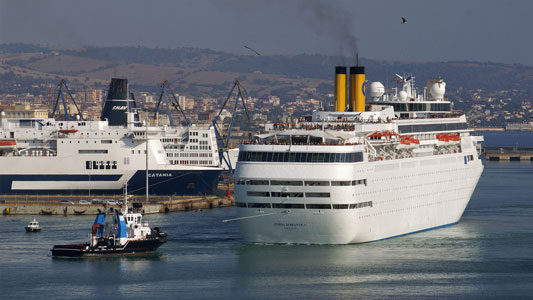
pixel 68 130
pixel 447 138
pixel 408 142
pixel 8 145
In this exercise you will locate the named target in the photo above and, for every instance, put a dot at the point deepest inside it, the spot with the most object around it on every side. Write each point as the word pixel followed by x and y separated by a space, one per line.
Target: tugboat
pixel 33 226
pixel 127 235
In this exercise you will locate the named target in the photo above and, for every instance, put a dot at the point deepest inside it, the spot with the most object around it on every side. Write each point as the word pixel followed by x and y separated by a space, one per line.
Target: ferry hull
pixel 171 182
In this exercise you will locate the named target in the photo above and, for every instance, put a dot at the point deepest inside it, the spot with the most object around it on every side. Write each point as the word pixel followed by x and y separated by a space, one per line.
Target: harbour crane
pixel 163 96
pixel 59 93
pixel 224 128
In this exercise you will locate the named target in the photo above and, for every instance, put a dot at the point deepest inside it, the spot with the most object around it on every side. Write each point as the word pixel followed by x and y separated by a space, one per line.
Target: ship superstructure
pixel 47 156
pixel 401 163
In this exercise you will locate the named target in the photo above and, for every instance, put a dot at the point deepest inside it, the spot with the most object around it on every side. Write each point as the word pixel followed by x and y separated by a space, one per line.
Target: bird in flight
pixel 404 20
pixel 252 50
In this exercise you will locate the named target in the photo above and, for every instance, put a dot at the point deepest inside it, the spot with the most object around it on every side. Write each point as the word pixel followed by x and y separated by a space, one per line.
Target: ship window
pixel 285 195
pixel 191 185
pixel 341 183
pixel 317 195
pixel 318 206
pixel 88 165
pixel 432 127
pixel 258 194
pixel 286 182
pixel 285 157
pixel 292 157
pixel 85 151
pixel 240 204
pixel 102 165
pixel 316 157
pixel 361 205
pixel 269 156
pixel 359 182
pixel 300 157
pixel 106 141
pixel 340 206
pixel 240 182
pixel 257 182
pixel 317 183
pixel 288 205
pixel 114 166
pixel 258 205
pixel 108 165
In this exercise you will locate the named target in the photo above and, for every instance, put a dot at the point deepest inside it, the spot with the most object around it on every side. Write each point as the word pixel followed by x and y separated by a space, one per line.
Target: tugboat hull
pixel 30 229
pixel 138 247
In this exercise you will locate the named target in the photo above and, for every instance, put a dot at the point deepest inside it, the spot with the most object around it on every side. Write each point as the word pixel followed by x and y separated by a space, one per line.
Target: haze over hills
pixel 492 94
pixel 205 70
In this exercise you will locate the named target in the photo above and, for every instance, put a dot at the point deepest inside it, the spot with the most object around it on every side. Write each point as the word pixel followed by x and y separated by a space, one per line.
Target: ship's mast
pixel 146 154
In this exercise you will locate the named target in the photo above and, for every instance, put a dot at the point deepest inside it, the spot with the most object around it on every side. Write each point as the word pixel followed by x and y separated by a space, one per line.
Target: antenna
pixel 357 59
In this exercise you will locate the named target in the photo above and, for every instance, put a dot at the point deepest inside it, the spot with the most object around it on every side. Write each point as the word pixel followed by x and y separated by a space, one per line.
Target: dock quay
pixel 52 204
pixel 496 153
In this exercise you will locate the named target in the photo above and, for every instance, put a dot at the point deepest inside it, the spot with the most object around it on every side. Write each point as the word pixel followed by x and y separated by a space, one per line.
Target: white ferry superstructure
pixel 358 176
pixel 44 156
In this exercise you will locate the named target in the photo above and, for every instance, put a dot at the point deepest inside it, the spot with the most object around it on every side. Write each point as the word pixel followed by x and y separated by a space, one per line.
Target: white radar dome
pixel 437 90
pixel 376 89
pixel 402 96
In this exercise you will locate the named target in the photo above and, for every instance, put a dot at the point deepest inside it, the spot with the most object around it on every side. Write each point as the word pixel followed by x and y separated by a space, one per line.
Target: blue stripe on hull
pixel 162 183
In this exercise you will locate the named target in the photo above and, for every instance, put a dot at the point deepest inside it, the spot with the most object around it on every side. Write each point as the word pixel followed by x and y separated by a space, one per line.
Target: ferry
pixel 45 156
pixel 400 163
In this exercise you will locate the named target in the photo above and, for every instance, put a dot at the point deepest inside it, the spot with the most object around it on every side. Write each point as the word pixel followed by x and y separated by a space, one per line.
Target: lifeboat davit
pixel 8 145
pixel 385 134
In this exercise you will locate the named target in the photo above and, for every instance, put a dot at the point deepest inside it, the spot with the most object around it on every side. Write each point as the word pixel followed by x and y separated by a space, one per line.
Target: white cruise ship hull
pixel 407 196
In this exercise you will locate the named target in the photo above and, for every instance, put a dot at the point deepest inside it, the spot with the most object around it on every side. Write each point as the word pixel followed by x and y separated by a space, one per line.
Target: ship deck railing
pixel 297 144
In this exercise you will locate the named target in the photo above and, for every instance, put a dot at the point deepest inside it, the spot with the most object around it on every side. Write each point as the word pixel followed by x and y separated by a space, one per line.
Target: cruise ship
pixel 397 164
pixel 44 156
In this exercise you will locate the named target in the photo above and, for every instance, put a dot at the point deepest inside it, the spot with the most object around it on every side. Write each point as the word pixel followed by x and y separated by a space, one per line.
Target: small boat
pixel 79 212
pixel 126 235
pixel 47 212
pixel 33 226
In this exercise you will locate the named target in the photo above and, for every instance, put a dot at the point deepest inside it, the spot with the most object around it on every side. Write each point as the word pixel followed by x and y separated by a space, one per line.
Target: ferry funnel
pixel 340 89
pixel 118 105
pixel 357 88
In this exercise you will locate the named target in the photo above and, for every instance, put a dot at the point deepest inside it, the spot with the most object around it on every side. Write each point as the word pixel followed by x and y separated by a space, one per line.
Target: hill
pixel 203 72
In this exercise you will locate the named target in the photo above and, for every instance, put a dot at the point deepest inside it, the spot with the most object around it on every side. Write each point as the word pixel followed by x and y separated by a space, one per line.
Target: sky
pixel 488 30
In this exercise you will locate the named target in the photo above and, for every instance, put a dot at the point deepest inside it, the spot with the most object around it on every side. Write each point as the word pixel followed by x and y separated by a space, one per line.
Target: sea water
pixel 489 254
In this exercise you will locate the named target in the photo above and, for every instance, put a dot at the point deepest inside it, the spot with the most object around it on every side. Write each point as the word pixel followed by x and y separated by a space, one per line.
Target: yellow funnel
pixel 340 89
pixel 357 89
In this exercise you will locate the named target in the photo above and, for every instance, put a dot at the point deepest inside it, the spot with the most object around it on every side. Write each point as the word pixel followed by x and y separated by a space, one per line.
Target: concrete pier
pixel 51 205
pixel 509 153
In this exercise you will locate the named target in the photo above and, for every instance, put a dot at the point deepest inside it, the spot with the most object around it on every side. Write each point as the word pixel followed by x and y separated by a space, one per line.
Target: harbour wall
pixel 35 205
